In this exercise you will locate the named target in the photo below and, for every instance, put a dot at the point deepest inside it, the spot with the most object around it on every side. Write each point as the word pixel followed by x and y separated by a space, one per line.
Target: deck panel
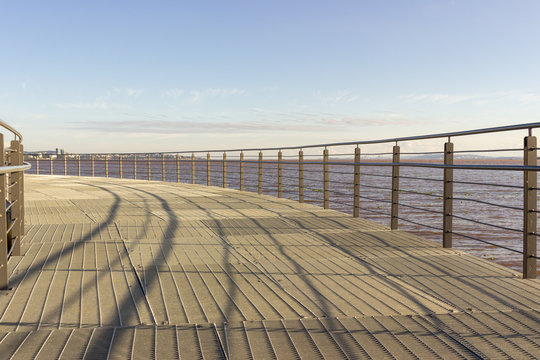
pixel 125 269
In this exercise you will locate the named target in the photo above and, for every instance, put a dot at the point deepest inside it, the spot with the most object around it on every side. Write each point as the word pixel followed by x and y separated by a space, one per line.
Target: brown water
pixel 375 196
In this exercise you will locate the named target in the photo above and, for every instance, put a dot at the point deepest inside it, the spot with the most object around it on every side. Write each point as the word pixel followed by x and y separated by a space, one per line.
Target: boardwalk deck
pixel 135 269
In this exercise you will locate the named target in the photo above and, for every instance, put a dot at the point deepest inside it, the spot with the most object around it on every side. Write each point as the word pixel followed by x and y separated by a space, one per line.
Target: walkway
pixel 135 269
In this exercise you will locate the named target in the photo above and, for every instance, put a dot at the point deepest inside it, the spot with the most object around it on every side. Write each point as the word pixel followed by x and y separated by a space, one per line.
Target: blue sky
pixel 180 75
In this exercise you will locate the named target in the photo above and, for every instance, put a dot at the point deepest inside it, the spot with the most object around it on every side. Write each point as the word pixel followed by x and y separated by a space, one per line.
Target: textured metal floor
pixel 132 269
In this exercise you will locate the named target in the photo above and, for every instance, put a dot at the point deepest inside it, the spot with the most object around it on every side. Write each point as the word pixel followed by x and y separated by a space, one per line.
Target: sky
pixel 106 76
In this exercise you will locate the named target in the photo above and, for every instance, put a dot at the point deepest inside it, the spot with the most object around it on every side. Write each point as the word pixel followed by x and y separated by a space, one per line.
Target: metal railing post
pixel 193 168
pixel 21 189
pixel 395 189
pixel 3 222
pixel 326 179
pixel 92 165
pixel 177 168
pixel 162 167
pixel 106 166
pixel 207 169
pixel 65 165
pixel 14 236
pixel 79 165
pixel 149 168
pixel 530 183
pixel 224 170
pixel 280 174
pixel 301 176
pixel 134 167
pixel 259 186
pixel 241 171
pixel 448 194
pixel 120 166
pixel 356 200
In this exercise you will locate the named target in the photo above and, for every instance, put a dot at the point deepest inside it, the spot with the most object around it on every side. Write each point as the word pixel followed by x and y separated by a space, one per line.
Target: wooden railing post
pixel 65 165
pixel 207 169
pixel 37 165
pixel 52 171
pixel 395 189
pixel 162 167
pixel 224 170
pixel 530 183
pixel 301 176
pixel 448 194
pixel 120 166
pixel 177 168
pixel 134 166
pixel 106 166
pixel 92 165
pixel 280 174
pixel 241 171
pixel 326 179
pixel 79 165
pixel 259 187
pixel 149 168
pixel 193 168
pixel 356 200
pixel 3 222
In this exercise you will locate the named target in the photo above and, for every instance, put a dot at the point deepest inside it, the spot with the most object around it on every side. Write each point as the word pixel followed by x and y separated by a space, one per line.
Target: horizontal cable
pixel 486 150
pixel 433 166
pixel 11 205
pixel 422 209
pixel 487 242
pixel 417 178
pixel 419 193
pixel 420 224
pixel 375 199
pixel 487 203
pixel 376 154
pixel 375 187
pixel 488 184
pixel 341 203
pixel 486 224
pixel 376 175
pixel 340 193
pixel 374 211
pixel 422 153
pixel 12 246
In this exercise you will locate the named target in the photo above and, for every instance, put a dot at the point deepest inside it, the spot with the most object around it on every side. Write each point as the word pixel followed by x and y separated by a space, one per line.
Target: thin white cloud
pixel 479 99
pixel 101 105
pixel 339 97
pixel 439 98
pixel 222 123
pixel 123 92
pixel 24 84
pixel 174 92
pixel 198 96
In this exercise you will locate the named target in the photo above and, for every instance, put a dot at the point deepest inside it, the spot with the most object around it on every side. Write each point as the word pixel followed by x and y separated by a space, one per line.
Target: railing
pixel 11 201
pixel 352 181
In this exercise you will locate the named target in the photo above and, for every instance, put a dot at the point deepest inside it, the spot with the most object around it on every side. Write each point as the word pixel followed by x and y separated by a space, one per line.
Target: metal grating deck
pixel 134 269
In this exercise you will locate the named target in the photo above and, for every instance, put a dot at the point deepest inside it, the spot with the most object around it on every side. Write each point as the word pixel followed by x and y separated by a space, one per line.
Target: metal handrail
pixel 14 168
pixel 8 127
pixel 265 175
pixel 528 126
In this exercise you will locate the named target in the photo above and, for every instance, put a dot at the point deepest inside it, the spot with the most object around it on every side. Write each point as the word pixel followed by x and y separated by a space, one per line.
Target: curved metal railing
pixel 439 193
pixel 12 170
